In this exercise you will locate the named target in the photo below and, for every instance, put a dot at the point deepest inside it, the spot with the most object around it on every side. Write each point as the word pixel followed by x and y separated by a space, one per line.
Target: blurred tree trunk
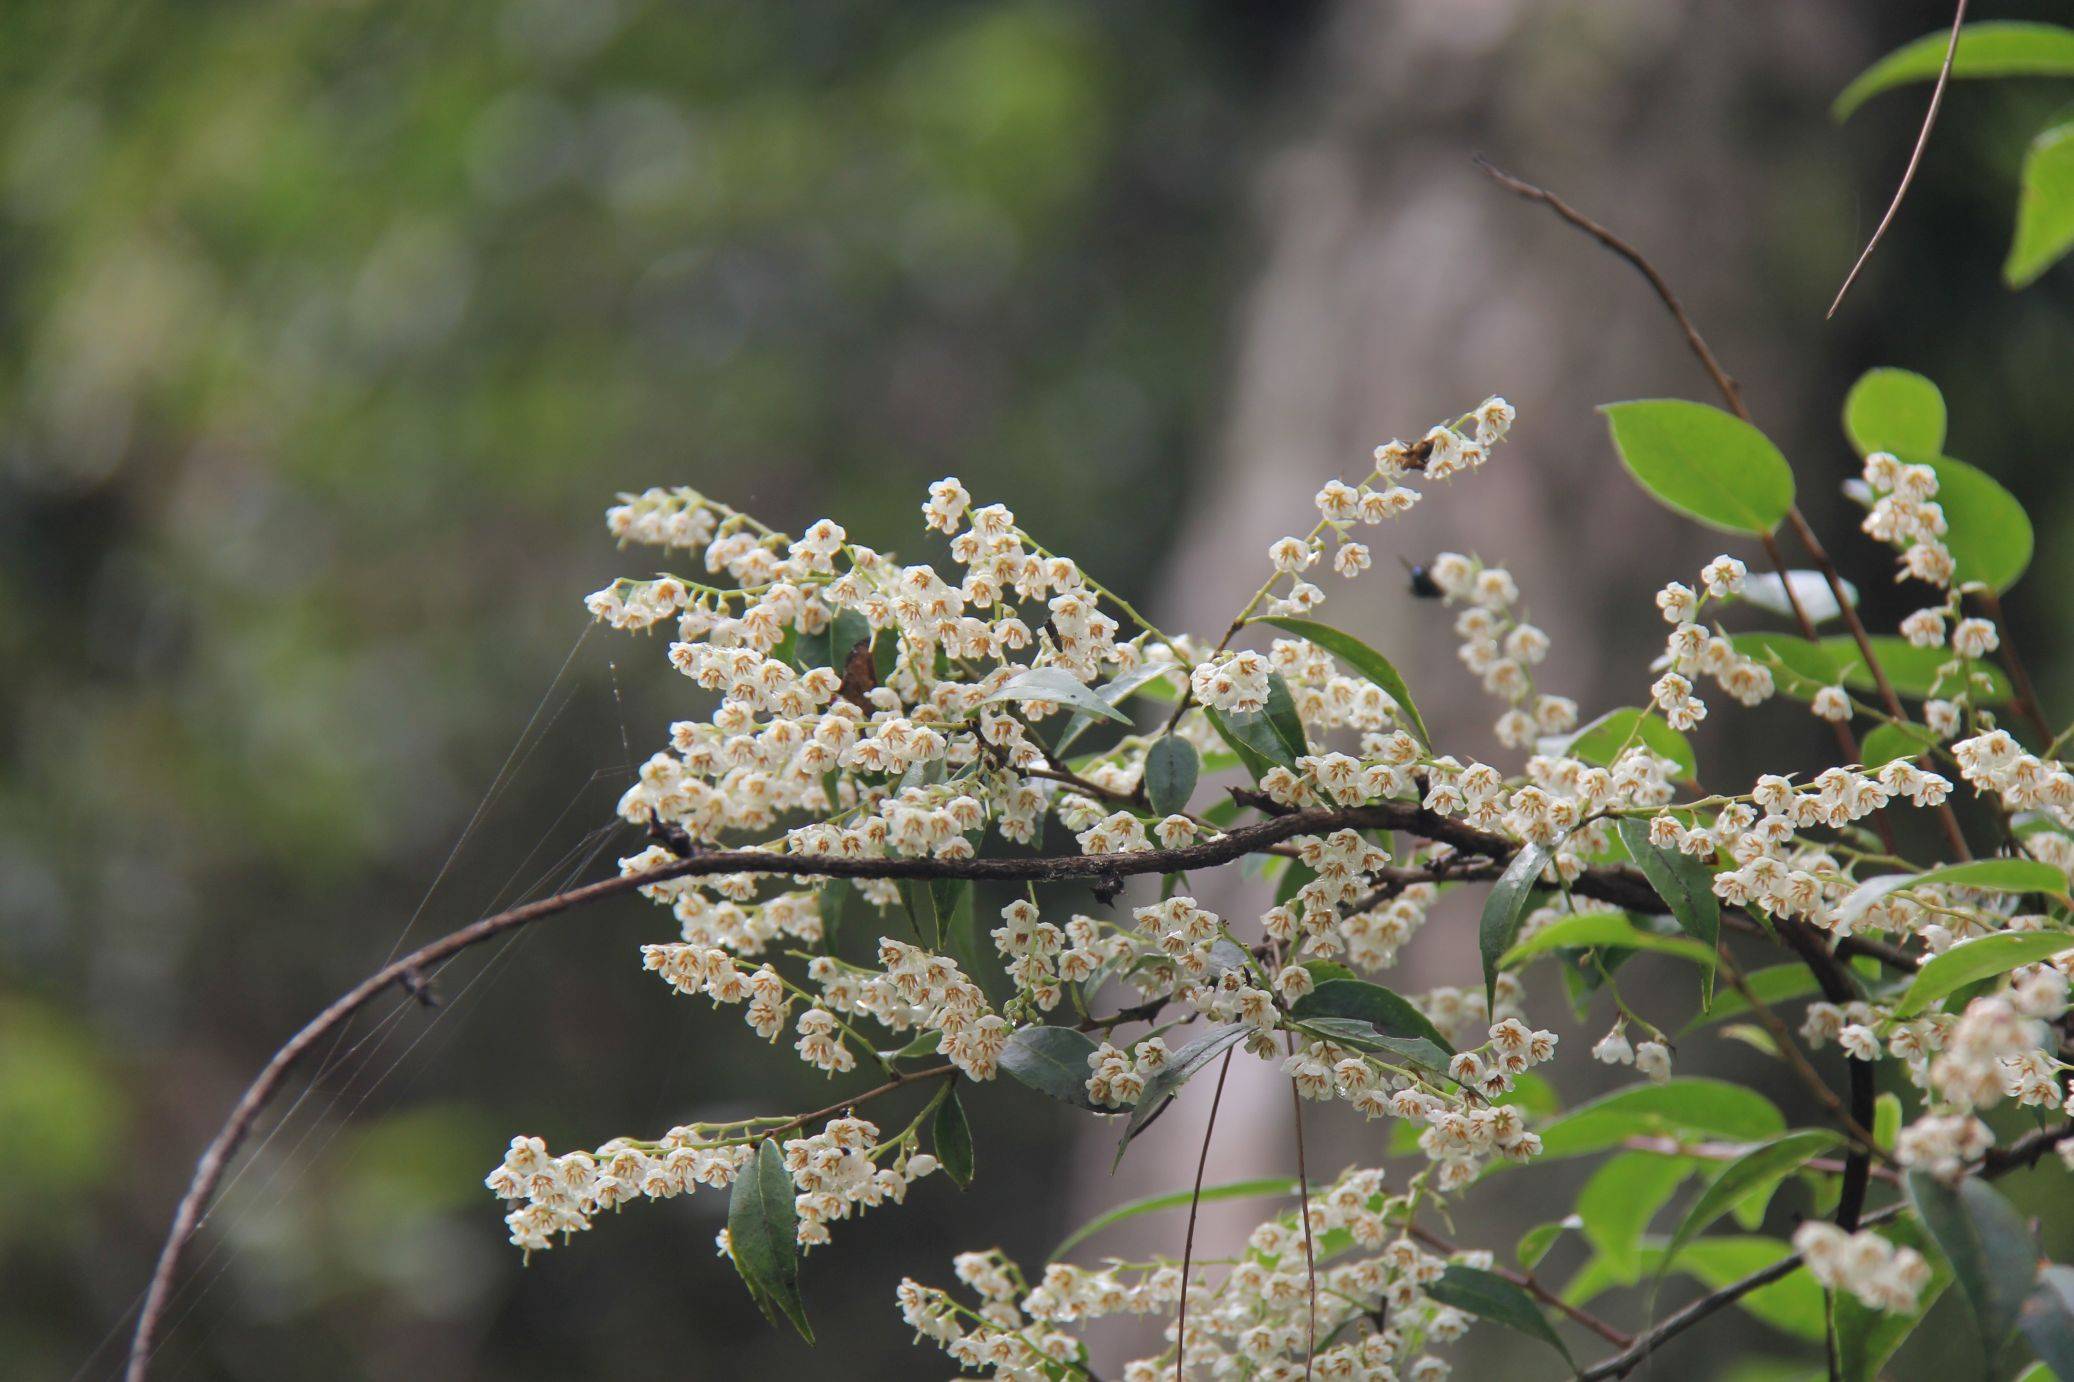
pixel 1397 287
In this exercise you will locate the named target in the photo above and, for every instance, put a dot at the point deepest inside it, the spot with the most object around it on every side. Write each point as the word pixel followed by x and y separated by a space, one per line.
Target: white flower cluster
pixel 1882 1275
pixel 1692 652
pixel 556 1196
pixel 1501 647
pixel 1905 514
pixel 1375 1321
pixel 1650 1058
pixel 1994 764
pixel 1119 1074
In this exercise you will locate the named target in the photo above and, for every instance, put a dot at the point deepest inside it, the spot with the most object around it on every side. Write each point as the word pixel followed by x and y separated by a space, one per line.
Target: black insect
pixel 1423 585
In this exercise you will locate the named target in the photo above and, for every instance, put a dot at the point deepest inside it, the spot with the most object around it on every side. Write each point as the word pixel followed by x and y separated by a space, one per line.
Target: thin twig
pixel 2027 703
pixel 1527 1282
pixel 1310 1261
pixel 1803 1069
pixel 1195 1204
pixel 1915 158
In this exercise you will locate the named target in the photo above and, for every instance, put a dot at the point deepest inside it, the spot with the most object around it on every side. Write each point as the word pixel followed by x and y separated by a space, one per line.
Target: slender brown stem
pixel 1797 1061
pixel 1310 1261
pixel 1195 1204
pixel 1915 158
pixel 1527 1282
pixel 2027 702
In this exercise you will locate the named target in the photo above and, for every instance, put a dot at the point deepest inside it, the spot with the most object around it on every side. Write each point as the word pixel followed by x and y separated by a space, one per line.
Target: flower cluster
pixel 1905 514
pixel 1691 651
pixel 1501 648
pixel 1882 1275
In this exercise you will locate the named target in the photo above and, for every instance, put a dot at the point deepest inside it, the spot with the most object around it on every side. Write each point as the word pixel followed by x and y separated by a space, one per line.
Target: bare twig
pixel 1915 158
pixel 1797 1061
pixel 1195 1204
pixel 2027 703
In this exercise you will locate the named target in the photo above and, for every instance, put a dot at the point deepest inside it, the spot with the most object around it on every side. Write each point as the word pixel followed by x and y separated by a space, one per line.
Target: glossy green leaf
pixel 1889 742
pixel 1685 885
pixel 1990 536
pixel 2047 1319
pixel 1809 589
pixel 1503 908
pixel 1987 1246
pixel 1363 659
pixel 951 1135
pixel 1181 1066
pixel 1969 962
pixel 1896 411
pixel 1265 1187
pixel 1389 1013
pixel 1760 1165
pixel 1536 1241
pixel 1149 679
pixel 762 1235
pixel 920 899
pixel 1171 767
pixel 1687 1107
pixel 1993 48
pixel 1619 1201
pixel 1914 672
pixel 1772 984
pixel 1867 1338
pixel 1052 1060
pixel 1799 668
pixel 1793 1304
pixel 1704 463
pixel 2045 204
pixel 1610 930
pixel 1605 738
pixel 1491 1297
pixel 1057 686
pixel 1352 1031
pixel 1249 737
pixel 1283 719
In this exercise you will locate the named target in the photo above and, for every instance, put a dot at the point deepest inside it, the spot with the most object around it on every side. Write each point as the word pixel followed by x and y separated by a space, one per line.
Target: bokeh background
pixel 327 331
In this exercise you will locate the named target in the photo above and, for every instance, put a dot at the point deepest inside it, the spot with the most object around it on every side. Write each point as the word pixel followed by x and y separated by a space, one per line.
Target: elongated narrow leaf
pixel 1982 958
pixel 1536 1241
pixel 1491 1297
pixel 1704 463
pixel 1390 1013
pixel 1604 738
pixel 1986 1244
pixel 1059 687
pixel 1687 1107
pixel 1503 908
pixel 1993 48
pixel 1756 1167
pixel 1809 589
pixel 1609 930
pixel 1052 1060
pixel 1686 887
pixel 1619 1201
pixel 2045 204
pixel 1282 718
pixel 1265 1187
pixel 1148 679
pixel 951 1135
pixel 1352 1031
pixel 1171 767
pixel 1989 875
pixel 1246 735
pixel 1867 1338
pixel 1181 1066
pixel 920 898
pixel 1897 411
pixel 1363 659
pixel 762 1234
pixel 2047 1319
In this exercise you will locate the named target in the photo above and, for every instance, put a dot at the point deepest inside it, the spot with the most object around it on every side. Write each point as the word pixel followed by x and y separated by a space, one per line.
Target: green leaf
pixel 1971 961
pixel 1886 1121
pixel 1621 1198
pixel 1536 1241
pixel 1250 738
pixel 1503 908
pixel 921 901
pixel 1603 739
pixel 1058 687
pixel 1052 1060
pixel 1987 1245
pixel 1388 1012
pixel 1989 535
pixel 1171 766
pixel 1686 887
pixel 1889 742
pixel 1996 48
pixel 1612 930
pixel 1352 1031
pixel 1490 1296
pixel 1116 693
pixel 1363 659
pixel 1773 984
pixel 762 1234
pixel 1897 411
pixel 1179 1069
pixel 2045 205
pixel 1704 463
pixel 1799 668
pixel 1912 671
pixel 1261 1188
pixel 1793 1304
pixel 2047 1319
pixel 1688 1107
pixel 1867 1338
pixel 1759 1166
pixel 951 1135
pixel 1767 591
pixel 1282 718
